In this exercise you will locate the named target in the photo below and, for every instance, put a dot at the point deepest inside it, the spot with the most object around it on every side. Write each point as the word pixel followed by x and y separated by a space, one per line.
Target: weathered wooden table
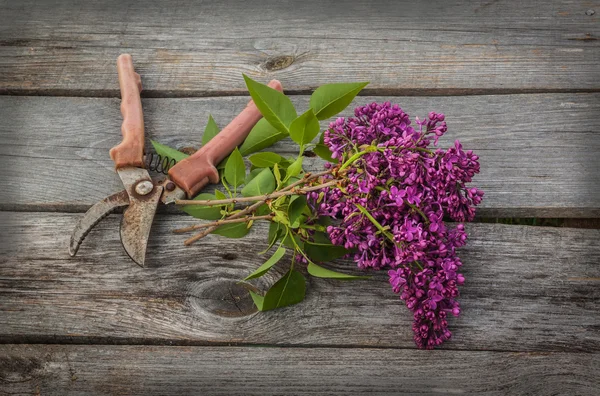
pixel 519 82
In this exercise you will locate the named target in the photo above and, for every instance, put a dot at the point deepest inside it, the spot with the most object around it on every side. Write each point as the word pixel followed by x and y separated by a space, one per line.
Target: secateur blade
pixel 144 197
pixel 93 216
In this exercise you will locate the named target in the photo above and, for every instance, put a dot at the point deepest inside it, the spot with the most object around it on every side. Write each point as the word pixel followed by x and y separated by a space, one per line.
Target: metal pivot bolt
pixel 144 187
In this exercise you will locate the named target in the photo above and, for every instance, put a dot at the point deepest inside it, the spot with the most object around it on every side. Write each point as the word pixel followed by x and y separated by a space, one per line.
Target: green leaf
pixel 258 300
pixel 322 252
pixel 292 179
pixel 322 238
pixel 204 212
pixel 295 210
pixel 294 169
pixel 304 128
pixel 320 272
pixel 210 131
pixel 221 165
pixel 275 231
pixel 277 174
pixel 275 107
pixel 263 183
pixel 287 241
pixel 330 99
pixel 260 271
pixel 219 195
pixel 288 290
pixel 166 151
pixel 323 151
pixel 232 230
pixel 263 210
pixel 235 169
pixel 261 136
pixel 253 173
pixel 265 160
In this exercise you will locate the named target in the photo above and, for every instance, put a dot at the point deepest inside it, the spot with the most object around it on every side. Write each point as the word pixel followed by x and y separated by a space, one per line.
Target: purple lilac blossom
pixel 407 189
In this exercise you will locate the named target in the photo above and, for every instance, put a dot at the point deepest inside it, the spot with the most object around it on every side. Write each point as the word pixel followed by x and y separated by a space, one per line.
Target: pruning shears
pixel 142 194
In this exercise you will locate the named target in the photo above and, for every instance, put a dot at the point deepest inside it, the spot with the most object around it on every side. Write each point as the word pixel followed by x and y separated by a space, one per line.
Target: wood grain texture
pixel 151 370
pixel 538 152
pixel 202 48
pixel 528 289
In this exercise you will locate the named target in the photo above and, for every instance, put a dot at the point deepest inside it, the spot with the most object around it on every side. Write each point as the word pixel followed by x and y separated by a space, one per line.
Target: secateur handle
pixel 196 171
pixel 130 152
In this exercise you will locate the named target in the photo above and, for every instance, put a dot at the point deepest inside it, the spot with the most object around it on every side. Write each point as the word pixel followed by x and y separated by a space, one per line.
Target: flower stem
pixel 356 156
pixel 419 211
pixel 252 208
pixel 276 194
pixel 221 222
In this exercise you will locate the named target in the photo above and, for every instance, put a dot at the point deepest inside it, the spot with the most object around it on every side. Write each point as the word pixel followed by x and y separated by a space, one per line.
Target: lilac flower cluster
pixel 405 189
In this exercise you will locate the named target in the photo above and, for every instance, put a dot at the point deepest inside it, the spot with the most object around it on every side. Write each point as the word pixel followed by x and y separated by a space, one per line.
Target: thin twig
pixel 221 222
pixel 255 206
pixel 276 194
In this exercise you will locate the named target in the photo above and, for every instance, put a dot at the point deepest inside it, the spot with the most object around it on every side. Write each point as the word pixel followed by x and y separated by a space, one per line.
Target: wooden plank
pixel 538 152
pixel 152 370
pixel 202 48
pixel 528 288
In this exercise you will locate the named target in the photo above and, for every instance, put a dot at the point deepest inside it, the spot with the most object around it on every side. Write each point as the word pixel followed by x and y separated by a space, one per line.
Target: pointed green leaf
pixel 295 210
pixel 294 169
pixel 261 136
pixel 235 169
pixel 329 99
pixel 263 183
pixel 323 151
pixel 273 105
pixel 265 160
pixel 320 272
pixel 277 174
pixel 220 195
pixel 288 290
pixel 260 271
pixel 275 231
pixel 258 300
pixel 210 131
pixel 232 230
pixel 321 252
pixel 304 128
pixel 166 151
pixel 287 241
pixel 272 237
pixel 221 165
pixel 322 237
pixel 253 173
pixel 263 210
pixel 204 212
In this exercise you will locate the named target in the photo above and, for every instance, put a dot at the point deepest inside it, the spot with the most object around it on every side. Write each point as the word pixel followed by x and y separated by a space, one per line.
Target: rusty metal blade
pixel 144 196
pixel 93 216
pixel 136 224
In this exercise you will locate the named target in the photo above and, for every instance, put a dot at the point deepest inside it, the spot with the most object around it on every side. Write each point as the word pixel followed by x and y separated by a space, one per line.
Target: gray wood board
pixel 528 288
pixel 150 370
pixel 539 152
pixel 202 48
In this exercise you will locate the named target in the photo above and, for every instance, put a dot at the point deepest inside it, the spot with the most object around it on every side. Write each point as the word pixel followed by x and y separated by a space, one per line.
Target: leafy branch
pixel 275 188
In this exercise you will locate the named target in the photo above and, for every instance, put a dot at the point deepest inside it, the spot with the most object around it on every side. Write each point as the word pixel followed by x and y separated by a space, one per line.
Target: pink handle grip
pixel 130 152
pixel 195 172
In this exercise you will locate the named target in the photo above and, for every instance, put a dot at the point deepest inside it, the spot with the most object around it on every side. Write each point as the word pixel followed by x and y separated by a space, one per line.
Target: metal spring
pixel 157 163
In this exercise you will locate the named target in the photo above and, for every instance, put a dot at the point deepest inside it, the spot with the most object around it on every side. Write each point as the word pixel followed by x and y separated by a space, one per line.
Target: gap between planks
pixel 409 92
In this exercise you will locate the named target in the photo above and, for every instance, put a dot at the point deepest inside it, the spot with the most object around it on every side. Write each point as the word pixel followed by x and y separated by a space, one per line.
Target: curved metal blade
pixel 136 224
pixel 93 216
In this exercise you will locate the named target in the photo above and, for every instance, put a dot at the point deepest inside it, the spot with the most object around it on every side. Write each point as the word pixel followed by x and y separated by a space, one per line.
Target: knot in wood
pixel 278 62
pixel 222 297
